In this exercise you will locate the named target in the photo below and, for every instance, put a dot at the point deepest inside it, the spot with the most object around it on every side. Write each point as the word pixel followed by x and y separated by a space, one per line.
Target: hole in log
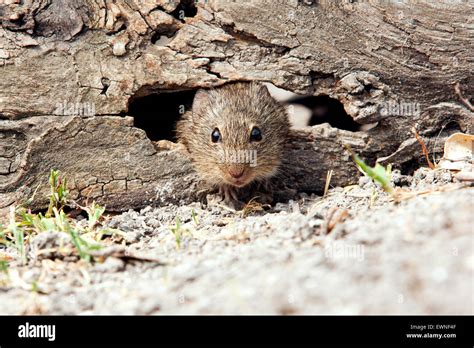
pixel 326 109
pixel 157 114
pixel 186 8
pixel 435 153
pixel 155 37
pixel 164 32
pixel 409 167
pixel 450 127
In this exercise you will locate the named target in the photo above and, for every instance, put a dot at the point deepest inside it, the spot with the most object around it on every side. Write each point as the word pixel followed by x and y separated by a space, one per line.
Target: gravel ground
pixel 351 252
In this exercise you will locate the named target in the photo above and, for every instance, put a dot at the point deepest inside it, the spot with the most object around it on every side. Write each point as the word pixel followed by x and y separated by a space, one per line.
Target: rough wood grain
pixel 376 58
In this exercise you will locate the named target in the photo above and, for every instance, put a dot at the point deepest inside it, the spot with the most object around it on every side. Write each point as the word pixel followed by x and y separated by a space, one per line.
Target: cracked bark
pixel 367 55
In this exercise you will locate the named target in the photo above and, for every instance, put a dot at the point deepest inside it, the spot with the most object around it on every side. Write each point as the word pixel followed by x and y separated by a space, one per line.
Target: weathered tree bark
pixel 375 58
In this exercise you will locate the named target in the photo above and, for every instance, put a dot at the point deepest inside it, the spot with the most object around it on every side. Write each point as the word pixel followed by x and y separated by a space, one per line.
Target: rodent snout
pixel 236 173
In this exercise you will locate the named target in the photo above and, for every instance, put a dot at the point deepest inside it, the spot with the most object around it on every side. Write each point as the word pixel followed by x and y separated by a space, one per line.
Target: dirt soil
pixel 354 251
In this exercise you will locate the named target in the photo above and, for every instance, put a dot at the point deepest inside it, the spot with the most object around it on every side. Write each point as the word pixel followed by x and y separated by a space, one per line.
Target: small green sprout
pixel 59 192
pixel 378 173
pixel 94 213
pixel 194 216
pixel 4 275
pixel 18 236
pixel 177 232
pixel 4 266
pixel 373 197
pixel 23 223
pixel 34 286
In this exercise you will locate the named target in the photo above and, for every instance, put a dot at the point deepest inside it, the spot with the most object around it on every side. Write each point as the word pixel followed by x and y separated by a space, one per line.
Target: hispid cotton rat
pixel 235 135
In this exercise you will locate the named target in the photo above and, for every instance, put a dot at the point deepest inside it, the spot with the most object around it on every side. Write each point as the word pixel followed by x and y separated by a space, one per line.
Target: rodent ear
pixel 261 89
pixel 200 101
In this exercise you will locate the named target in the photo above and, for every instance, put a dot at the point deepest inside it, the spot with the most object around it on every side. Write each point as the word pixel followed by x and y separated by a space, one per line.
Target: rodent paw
pixel 234 204
pixel 221 201
pixel 230 198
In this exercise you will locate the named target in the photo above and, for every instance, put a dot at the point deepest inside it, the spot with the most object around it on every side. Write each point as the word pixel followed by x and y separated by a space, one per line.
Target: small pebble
pixel 132 237
pixel 119 49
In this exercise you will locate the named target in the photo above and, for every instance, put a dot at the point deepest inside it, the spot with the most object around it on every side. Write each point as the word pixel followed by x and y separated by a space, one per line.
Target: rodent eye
pixel 255 134
pixel 216 135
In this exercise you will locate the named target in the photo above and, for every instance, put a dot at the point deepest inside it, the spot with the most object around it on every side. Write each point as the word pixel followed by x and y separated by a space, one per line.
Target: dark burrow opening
pixel 163 31
pixel 157 114
pixel 435 152
pixel 325 109
pixel 409 167
pixel 449 128
pixel 186 8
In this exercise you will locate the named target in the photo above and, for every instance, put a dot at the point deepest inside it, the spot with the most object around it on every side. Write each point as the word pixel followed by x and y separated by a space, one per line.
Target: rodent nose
pixel 236 172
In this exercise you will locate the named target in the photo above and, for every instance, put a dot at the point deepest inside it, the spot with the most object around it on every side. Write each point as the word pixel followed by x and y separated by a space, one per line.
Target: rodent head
pixel 235 133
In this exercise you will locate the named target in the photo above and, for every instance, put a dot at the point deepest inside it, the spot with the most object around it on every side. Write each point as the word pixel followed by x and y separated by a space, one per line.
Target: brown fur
pixel 234 109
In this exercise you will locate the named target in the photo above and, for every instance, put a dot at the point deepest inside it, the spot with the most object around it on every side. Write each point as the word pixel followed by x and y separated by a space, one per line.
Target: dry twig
pixel 423 147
